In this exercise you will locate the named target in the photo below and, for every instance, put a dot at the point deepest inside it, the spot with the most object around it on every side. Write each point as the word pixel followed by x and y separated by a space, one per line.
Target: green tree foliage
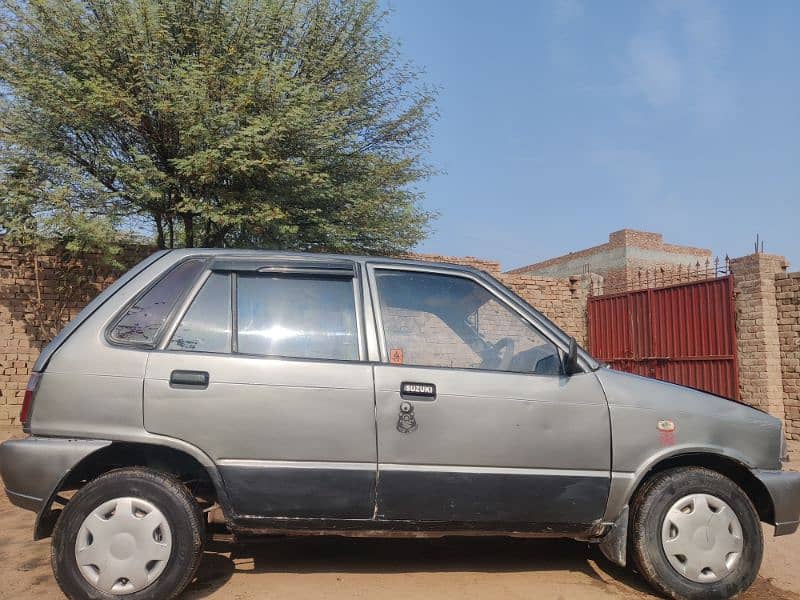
pixel 272 123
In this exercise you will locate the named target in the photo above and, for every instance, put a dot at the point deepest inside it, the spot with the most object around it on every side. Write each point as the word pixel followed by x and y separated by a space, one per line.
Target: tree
pixel 273 123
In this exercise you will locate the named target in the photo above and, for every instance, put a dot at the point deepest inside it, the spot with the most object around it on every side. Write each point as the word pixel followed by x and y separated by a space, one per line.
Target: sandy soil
pixel 331 568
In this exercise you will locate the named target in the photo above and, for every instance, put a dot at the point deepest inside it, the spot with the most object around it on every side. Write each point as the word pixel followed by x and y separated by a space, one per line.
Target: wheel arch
pixel 733 469
pixel 614 543
pixel 203 480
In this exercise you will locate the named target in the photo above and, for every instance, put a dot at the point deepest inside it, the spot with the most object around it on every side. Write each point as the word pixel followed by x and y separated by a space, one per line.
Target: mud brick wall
pixel 787 295
pixel 561 300
pixel 39 294
pixel 760 378
pixel 490 266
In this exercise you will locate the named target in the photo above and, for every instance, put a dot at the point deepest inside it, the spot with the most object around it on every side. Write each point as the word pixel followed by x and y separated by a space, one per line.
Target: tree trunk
pixel 206 241
pixel 217 237
pixel 160 231
pixel 188 229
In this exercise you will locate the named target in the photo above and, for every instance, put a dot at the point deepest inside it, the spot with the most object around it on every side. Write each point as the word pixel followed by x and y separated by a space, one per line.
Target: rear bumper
pixel 32 468
pixel 784 489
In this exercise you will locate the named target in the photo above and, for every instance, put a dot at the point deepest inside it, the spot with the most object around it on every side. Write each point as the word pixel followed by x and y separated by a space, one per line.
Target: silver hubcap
pixel 702 538
pixel 123 545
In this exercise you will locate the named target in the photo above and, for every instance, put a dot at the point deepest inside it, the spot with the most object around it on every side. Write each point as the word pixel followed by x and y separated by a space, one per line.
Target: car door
pixel 263 371
pixel 476 422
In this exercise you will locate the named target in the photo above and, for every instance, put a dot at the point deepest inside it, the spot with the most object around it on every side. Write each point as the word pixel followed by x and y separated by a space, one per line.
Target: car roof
pixel 278 254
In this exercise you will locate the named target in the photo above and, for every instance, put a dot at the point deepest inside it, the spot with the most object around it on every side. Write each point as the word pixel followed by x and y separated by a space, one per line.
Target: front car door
pixel 476 422
pixel 264 371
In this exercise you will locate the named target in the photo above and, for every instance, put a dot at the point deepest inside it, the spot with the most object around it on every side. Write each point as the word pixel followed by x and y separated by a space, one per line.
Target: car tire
pixel 681 521
pixel 133 501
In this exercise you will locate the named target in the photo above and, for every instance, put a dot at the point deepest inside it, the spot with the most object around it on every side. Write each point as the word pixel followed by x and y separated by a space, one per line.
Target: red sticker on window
pixel 396 356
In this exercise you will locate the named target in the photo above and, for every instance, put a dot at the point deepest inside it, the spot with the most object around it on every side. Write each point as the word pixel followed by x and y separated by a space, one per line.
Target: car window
pixel 449 321
pixel 143 321
pixel 295 316
pixel 206 326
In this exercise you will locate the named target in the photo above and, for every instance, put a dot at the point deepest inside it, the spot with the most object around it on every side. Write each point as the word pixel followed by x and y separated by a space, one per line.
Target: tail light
pixel 27 402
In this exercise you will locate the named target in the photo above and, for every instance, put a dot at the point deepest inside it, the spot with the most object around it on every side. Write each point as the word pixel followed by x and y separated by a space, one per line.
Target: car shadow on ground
pixel 304 555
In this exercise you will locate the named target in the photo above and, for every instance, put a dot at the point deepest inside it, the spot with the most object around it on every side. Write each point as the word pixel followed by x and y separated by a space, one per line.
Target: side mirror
pixel 571 365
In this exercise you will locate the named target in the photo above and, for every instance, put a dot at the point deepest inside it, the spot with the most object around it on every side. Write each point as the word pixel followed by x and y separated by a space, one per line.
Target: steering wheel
pixel 504 348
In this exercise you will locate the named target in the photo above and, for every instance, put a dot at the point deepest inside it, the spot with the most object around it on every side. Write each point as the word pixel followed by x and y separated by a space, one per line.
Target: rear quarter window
pixel 143 321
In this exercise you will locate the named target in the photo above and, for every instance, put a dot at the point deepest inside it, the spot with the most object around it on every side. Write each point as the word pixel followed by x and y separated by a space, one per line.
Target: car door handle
pixel 418 391
pixel 190 379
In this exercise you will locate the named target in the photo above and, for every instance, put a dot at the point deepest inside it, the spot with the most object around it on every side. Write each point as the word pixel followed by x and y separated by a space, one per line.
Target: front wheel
pixel 133 533
pixel 695 534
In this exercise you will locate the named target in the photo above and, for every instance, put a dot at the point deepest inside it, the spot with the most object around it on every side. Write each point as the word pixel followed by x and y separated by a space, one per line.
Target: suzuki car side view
pixel 370 396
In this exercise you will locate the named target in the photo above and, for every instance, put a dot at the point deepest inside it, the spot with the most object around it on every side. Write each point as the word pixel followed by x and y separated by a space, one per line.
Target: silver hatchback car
pixel 370 396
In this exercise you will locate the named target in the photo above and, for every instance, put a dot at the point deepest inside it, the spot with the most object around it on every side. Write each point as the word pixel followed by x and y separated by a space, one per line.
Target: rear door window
pixel 143 321
pixel 297 316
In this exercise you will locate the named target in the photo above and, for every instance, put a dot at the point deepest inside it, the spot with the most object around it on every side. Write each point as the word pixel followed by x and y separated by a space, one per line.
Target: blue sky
pixel 563 120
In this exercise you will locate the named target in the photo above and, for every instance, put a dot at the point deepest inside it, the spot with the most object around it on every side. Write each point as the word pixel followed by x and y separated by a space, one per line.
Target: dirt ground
pixel 339 568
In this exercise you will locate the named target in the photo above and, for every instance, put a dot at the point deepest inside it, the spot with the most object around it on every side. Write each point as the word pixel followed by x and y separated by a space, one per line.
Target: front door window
pixel 435 320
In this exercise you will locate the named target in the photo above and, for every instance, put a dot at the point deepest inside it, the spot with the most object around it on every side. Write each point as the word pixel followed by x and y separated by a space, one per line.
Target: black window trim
pixel 233 282
pixel 301 266
pixel 166 326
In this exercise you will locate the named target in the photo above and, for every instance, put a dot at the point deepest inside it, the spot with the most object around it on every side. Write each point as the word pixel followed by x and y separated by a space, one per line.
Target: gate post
pixel 760 378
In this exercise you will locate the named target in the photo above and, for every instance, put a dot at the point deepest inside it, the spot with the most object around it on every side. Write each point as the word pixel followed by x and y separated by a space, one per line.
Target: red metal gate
pixel 682 333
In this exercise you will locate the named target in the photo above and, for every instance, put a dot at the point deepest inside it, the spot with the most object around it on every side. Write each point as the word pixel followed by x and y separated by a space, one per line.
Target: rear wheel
pixel 133 532
pixel 695 534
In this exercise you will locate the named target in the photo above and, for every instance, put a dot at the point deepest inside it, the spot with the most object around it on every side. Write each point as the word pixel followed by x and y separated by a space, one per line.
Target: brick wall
pixel 787 294
pixel 760 379
pixel 490 266
pixel 561 300
pixel 39 294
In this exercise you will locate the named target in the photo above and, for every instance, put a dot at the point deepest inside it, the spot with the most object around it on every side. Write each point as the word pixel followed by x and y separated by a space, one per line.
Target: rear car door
pixel 476 421
pixel 263 371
